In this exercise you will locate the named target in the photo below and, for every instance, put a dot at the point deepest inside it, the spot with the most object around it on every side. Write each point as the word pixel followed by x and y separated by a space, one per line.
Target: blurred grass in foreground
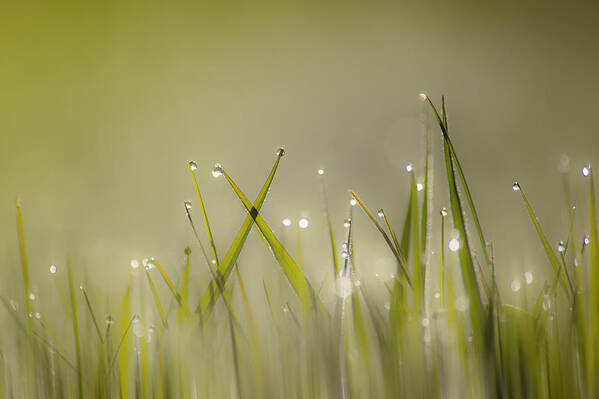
pixel 460 340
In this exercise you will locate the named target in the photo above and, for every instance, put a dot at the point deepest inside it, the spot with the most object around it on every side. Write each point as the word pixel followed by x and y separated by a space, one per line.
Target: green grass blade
pixel 460 172
pixel 204 214
pixel 92 314
pixel 593 367
pixel 294 274
pixel 75 331
pixel 24 264
pixel 325 200
pixel 398 255
pixel 226 265
pixel 466 264
pixel 548 250
pixel 156 299
pixel 171 287
pixel 418 268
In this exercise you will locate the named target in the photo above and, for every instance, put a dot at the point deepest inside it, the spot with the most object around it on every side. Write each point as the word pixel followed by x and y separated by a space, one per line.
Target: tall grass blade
pixel 92 314
pixel 75 331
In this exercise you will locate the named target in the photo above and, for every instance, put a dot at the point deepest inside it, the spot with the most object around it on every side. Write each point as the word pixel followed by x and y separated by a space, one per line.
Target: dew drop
pixel 425 322
pixel 344 254
pixel 561 247
pixel 586 170
pixel 217 171
pixel 515 286
pixel 409 168
pixel 280 152
pixel 419 187
pixel 381 213
pixel 109 320
pixel 38 315
pixel 187 251
pixel 139 330
pixel 134 264
pixel 353 202
pixel 286 222
pixel 303 223
pixel 193 165
pixel 32 296
pixel 454 244
pixel 422 97
pixel 437 295
pixel 53 269
pixel 347 223
pixel 528 277
pixel 187 205
pixel 444 212
pixel 516 186
pixel 344 245
pixel 586 241
pixel 321 172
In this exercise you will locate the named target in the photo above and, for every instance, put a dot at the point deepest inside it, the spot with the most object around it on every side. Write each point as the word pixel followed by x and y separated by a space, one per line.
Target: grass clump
pixel 388 339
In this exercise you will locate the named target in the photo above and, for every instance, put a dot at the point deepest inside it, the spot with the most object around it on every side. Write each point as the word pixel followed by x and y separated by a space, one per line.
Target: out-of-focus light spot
pixel 303 223
pixel 286 222
pixel 454 244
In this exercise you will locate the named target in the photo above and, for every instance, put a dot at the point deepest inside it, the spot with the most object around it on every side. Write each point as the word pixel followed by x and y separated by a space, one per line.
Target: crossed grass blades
pixel 460 340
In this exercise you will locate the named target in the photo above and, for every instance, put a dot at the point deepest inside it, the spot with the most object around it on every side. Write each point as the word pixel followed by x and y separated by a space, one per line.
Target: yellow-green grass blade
pixel 75 331
pixel 226 265
pixel 325 200
pixel 185 286
pixel 171 287
pixel 157 299
pixel 294 274
pixel 418 269
pixel 92 314
pixel 398 255
pixel 24 263
pixel 593 368
pixel 548 250
pixel 123 340
pixel 460 172
pixel 122 352
pixel 204 214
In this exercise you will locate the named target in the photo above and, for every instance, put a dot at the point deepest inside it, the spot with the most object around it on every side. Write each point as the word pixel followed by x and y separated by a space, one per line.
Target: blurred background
pixel 102 104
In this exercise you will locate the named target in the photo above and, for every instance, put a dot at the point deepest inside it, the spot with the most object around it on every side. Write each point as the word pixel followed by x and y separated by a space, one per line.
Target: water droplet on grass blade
pixel 586 170
pixel 280 152
pixel 409 168
pixel 343 287
pixel 217 171
pixel 347 223
pixel 586 241
pixel 422 97
pixel 32 296
pixel 321 172
pixel 134 264
pixel 109 320
pixel 454 244
pixel 444 212
pixel 344 254
pixel 53 269
pixel 561 247
pixel 516 186
pixel 515 286
pixel 303 223
pixel 419 187
pixel 381 213
pixel 286 222
pixel 528 277
pixel 353 202
pixel 192 165
pixel 187 205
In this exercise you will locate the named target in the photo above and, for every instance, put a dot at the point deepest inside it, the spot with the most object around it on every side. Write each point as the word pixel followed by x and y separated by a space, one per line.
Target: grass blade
pixel 398 255
pixel 75 331
pixel 91 312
